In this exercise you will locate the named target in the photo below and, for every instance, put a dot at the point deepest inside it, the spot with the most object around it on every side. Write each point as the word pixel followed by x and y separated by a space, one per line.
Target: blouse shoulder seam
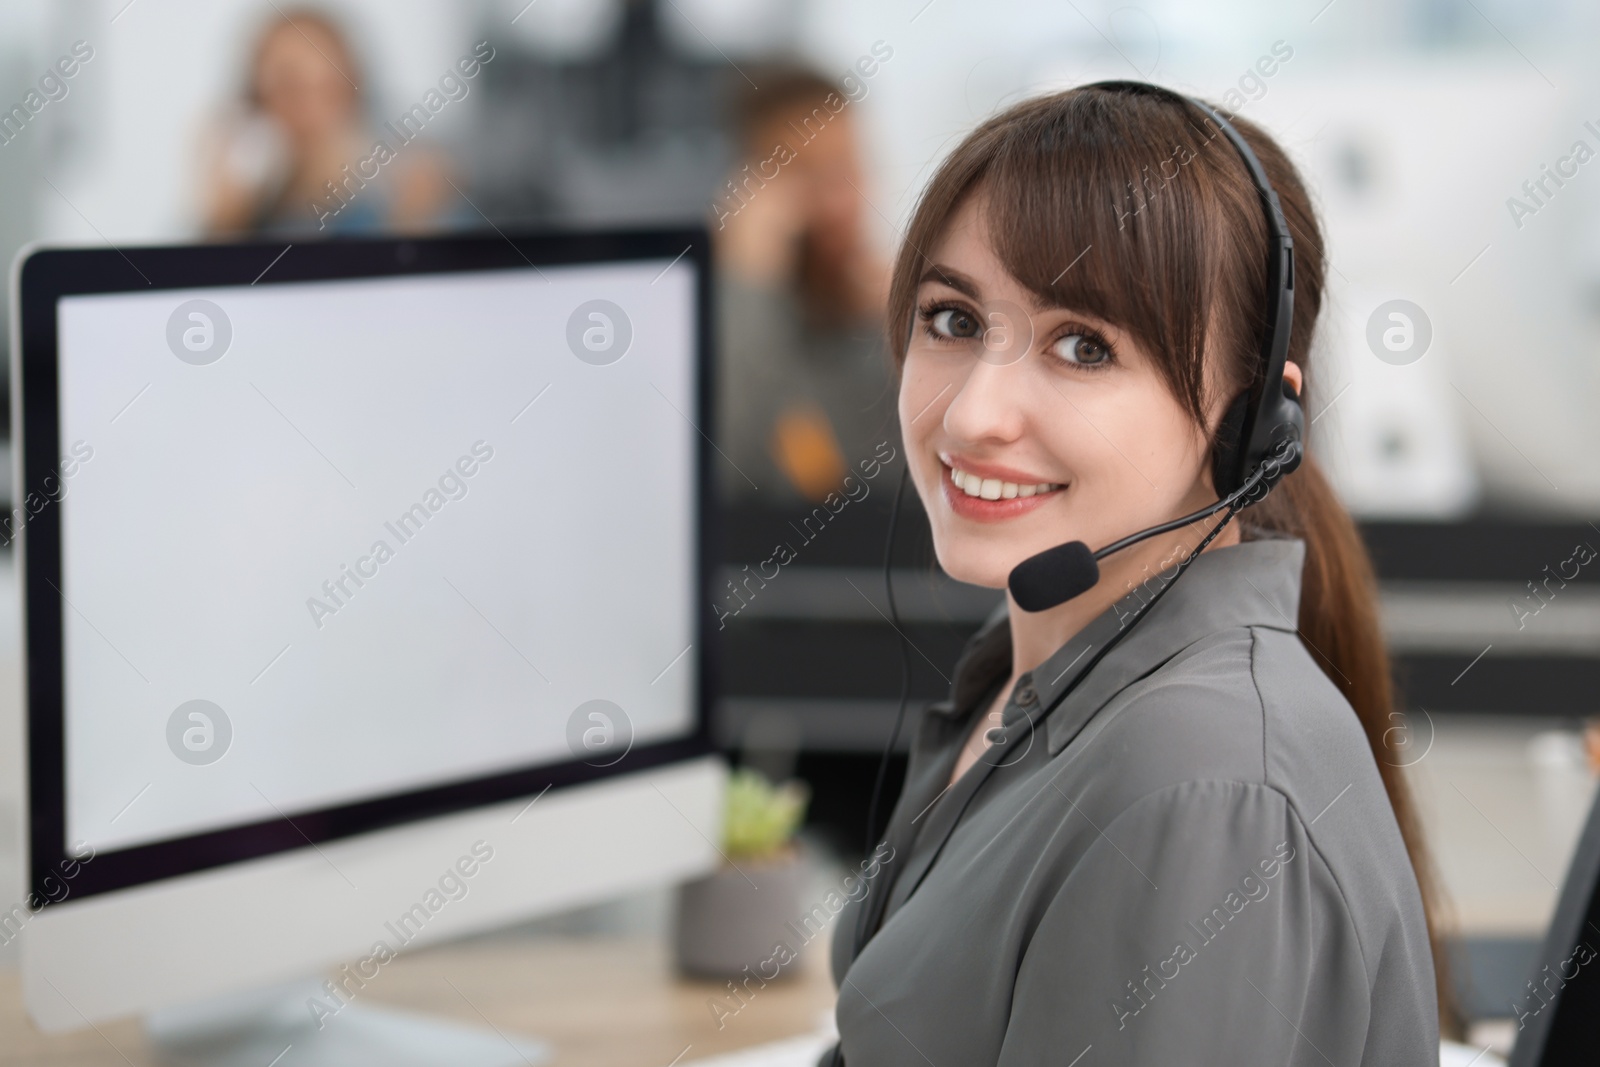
pixel 1305 827
pixel 1261 703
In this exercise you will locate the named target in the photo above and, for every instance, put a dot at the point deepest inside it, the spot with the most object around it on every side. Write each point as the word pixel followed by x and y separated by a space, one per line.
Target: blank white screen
pixel 220 498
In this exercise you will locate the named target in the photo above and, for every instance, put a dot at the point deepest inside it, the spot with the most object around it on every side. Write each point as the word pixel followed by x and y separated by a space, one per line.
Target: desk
pixel 599 1001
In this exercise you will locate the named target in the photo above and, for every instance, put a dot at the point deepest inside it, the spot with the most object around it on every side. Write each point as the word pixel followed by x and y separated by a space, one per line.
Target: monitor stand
pixel 274 1027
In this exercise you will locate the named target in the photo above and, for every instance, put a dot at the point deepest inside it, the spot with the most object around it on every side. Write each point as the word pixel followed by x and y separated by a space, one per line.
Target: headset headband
pixel 1267 413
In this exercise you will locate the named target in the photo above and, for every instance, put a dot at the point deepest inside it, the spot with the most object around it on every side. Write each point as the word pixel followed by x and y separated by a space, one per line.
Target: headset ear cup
pixel 1225 451
pixel 1295 415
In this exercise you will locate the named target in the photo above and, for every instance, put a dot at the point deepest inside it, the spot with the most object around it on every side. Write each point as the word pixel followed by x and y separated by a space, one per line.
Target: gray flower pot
pixel 735 917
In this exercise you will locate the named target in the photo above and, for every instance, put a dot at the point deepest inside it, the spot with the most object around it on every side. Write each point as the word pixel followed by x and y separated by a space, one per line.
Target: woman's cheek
pixel 926 386
pixel 918 420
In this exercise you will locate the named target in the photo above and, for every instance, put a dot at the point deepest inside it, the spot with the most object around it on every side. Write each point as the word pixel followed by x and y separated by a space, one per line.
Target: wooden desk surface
pixel 599 1001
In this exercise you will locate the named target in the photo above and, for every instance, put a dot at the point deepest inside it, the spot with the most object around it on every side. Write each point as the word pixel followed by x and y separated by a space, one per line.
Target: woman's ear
pixel 1294 376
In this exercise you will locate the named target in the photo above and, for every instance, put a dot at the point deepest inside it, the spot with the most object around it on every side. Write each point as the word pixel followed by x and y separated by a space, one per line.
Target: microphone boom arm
pixel 1263 478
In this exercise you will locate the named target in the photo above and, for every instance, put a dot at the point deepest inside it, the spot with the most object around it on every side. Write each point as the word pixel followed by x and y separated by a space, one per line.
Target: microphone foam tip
pixel 1054 576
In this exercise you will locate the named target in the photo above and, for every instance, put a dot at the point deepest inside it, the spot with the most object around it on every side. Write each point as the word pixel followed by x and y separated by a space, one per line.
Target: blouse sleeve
pixel 1200 927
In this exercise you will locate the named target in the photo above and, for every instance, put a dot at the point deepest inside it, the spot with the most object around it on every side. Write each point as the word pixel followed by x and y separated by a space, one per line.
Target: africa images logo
pixel 599 332
pixel 599 733
pixel 199 332
pixel 199 732
pixel 1399 332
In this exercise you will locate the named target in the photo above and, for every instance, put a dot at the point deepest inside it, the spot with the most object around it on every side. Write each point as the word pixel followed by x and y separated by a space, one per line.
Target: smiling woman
pixel 1072 372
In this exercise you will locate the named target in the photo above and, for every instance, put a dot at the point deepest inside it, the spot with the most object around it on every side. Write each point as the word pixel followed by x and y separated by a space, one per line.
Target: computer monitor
pixel 1557 1013
pixel 364 597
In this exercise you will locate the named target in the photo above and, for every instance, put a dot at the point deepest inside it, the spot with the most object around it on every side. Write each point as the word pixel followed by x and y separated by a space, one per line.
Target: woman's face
pixel 1028 425
pixel 827 171
pixel 299 84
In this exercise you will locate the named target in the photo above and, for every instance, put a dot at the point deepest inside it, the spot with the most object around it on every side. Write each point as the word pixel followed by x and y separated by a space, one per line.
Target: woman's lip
pixel 981 510
pixel 991 470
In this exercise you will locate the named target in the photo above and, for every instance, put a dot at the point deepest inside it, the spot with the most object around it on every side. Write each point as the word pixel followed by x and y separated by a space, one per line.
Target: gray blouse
pixel 1188 859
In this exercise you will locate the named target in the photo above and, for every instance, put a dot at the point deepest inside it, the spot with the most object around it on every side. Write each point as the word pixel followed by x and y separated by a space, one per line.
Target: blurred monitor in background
pixel 805 386
pixel 298 155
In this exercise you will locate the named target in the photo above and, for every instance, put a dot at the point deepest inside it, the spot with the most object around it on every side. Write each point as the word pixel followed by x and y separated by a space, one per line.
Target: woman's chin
pixel 963 568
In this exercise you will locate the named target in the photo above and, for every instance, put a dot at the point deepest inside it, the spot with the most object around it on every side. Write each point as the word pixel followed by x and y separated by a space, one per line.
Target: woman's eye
pixel 1082 350
pixel 953 322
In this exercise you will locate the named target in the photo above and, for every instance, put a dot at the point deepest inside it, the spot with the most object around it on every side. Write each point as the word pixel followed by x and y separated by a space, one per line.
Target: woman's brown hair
pixel 1127 203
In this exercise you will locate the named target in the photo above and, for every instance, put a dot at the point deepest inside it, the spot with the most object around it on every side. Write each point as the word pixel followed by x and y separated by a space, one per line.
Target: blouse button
pixel 1026 696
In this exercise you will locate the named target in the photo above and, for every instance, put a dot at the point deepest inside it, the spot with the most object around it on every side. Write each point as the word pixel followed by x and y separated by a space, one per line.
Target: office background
pixel 1441 139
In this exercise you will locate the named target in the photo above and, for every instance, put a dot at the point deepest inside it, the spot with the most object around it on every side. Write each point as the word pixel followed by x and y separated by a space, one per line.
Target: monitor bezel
pixel 1550 1033
pixel 41 278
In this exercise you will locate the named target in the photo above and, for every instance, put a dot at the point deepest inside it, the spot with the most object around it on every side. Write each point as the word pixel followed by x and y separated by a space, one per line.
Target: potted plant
pixel 730 921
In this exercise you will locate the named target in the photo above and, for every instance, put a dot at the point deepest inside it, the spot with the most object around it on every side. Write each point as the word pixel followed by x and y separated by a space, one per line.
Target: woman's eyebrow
pixel 964 284
pixel 943 275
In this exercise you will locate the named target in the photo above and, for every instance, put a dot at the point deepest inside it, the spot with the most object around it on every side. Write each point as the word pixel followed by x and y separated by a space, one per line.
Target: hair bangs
pixel 1128 206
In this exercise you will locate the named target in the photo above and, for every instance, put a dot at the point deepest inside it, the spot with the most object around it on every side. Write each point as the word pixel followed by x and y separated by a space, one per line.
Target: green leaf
pixel 760 818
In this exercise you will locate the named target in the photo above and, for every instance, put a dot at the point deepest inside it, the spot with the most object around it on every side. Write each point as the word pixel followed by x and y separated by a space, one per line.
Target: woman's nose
pixel 989 405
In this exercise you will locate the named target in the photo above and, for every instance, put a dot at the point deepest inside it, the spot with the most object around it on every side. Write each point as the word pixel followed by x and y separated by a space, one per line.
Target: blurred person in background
pixel 804 386
pixel 274 162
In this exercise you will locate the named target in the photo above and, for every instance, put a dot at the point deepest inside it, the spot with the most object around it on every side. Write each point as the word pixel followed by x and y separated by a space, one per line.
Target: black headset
pixel 1259 440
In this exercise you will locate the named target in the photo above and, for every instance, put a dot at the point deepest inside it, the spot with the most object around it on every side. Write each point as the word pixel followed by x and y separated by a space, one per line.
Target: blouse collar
pixel 1253 583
